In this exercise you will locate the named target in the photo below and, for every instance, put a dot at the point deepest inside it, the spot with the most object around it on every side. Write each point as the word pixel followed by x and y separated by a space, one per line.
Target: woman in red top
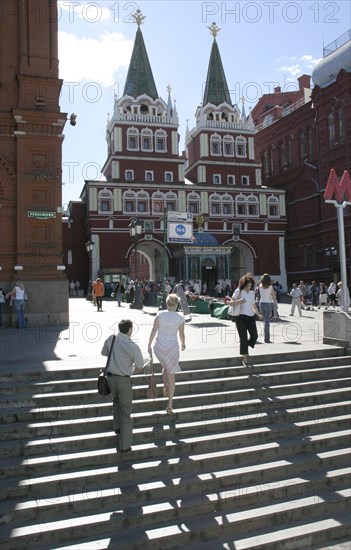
pixel 99 290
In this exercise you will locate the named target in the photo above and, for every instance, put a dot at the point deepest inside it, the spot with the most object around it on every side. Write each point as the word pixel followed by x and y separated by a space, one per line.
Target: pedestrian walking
pixel 20 296
pixel 295 294
pixel 126 359
pixel 98 291
pixel 245 322
pixel 267 297
pixel 168 325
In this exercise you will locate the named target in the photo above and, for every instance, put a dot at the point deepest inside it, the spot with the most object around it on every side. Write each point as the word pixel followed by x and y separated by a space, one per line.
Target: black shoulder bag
pixel 102 385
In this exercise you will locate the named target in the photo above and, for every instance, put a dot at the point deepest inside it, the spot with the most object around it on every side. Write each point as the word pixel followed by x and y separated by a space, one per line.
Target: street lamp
pixel 89 246
pixel 330 252
pixel 135 232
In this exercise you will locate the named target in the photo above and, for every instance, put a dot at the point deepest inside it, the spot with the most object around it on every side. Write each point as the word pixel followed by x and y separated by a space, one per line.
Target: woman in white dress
pixel 167 325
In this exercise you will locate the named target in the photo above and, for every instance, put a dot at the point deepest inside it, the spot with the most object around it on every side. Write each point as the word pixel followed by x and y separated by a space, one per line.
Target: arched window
pixel 228 146
pixel 266 164
pixel 146 140
pixel 341 125
pixel 129 202
pixel 252 206
pixel 105 202
pixel 283 157
pixel 215 204
pixel 240 147
pixel 143 202
pixel 160 141
pixel 171 201
pixel 158 202
pixel 241 205
pixel 193 203
pixel 215 144
pixel 273 207
pixel 132 139
pixel 227 205
pixel 331 128
pixel 310 144
pixel 303 146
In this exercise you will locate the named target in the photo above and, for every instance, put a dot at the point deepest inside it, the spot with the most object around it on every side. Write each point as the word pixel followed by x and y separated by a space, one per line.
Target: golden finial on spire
pixel 138 17
pixel 214 29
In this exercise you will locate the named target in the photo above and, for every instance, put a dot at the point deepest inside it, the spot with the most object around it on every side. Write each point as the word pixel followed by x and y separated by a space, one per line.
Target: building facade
pixel 300 136
pixel 31 126
pixel 238 225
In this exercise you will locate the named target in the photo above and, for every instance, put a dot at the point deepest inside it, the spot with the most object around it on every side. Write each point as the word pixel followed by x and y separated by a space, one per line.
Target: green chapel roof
pixel 140 79
pixel 216 90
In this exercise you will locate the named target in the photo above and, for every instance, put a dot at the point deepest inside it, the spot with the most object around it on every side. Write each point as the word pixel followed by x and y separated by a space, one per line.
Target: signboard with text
pixel 40 214
pixel 179 216
pixel 179 232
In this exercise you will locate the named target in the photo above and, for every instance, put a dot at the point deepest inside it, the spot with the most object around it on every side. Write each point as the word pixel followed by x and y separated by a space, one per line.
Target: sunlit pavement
pixel 206 337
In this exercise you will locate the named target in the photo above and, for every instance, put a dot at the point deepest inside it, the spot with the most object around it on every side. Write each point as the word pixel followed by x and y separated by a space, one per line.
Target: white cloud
pixel 296 66
pixel 93 59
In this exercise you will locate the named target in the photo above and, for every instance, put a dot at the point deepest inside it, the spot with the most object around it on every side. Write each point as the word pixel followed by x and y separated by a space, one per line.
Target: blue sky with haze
pixel 263 44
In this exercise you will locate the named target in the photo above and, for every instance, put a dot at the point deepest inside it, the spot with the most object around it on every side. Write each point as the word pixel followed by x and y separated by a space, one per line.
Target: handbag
pixel 234 311
pixel 151 392
pixel 102 385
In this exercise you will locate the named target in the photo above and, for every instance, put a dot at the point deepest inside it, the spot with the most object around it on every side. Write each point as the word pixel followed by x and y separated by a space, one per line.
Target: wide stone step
pixel 312 368
pixel 160 523
pixel 210 429
pixel 89 395
pixel 338 389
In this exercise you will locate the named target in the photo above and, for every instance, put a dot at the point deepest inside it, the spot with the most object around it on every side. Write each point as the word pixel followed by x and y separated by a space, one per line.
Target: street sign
pixel 40 214
pixel 179 232
pixel 179 216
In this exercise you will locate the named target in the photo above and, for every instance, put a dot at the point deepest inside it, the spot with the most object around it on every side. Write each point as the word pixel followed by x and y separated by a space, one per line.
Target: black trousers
pixel 246 324
pixel 99 302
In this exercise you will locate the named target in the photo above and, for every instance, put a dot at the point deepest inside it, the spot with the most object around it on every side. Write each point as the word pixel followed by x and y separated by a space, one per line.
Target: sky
pixel 263 44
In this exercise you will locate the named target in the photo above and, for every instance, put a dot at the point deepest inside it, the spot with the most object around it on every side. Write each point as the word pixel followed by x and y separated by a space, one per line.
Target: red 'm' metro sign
pixel 336 191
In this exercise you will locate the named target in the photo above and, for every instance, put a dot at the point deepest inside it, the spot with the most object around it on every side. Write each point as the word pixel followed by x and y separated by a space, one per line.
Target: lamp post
pixel 330 252
pixel 135 232
pixel 89 246
pixel 164 292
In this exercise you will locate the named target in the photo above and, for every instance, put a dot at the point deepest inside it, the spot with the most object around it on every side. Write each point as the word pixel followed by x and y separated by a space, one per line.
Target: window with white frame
pixel 157 202
pixel 171 201
pixel 193 203
pixel 227 205
pixel 231 179
pixel 245 180
pixel 215 145
pixel 132 139
pixel 341 124
pixel 241 205
pixel 160 140
pixel 129 202
pixel 273 207
pixel 142 202
pixel 149 175
pixel 217 178
pixel 168 176
pixel 252 206
pixel 240 147
pixel 129 175
pixel 215 204
pixel 105 202
pixel 228 146
pixel 146 140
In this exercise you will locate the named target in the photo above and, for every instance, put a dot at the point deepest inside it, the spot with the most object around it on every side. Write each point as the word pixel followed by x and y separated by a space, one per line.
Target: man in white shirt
pixel 126 358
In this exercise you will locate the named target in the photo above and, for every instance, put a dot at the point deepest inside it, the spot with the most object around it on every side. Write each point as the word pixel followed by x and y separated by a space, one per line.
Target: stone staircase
pixel 249 460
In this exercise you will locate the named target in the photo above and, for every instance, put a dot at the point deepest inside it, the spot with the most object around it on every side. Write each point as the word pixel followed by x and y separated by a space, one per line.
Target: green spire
pixel 140 79
pixel 216 90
